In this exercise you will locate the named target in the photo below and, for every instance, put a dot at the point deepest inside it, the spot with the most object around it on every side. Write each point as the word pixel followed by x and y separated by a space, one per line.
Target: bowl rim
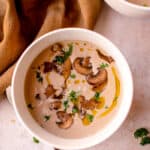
pixel 93 142
pixel 140 7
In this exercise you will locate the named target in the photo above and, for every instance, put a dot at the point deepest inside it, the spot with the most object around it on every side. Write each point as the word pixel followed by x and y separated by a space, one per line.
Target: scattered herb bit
pixel 73 96
pixel 61 59
pixel 145 140
pixel 39 77
pixel 89 117
pixel 66 104
pixel 68 52
pixel 141 132
pixel 97 96
pixel 103 65
pixel 37 96
pixel 47 117
pixel 73 76
pixel 35 140
pixel 75 110
pixel 30 106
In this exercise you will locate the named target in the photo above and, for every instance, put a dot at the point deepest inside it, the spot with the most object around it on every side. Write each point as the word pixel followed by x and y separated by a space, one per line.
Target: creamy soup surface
pixel 145 3
pixel 73 89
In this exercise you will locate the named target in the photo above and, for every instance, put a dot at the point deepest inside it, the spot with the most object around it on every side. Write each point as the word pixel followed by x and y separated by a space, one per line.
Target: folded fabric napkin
pixel 22 21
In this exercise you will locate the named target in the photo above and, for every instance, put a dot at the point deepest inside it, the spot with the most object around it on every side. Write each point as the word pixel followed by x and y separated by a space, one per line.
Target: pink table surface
pixel 132 36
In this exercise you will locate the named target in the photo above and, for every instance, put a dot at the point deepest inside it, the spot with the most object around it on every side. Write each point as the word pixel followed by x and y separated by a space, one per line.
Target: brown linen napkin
pixel 21 21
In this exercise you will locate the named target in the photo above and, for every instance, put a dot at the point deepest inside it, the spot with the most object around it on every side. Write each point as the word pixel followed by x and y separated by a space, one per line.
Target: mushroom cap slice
pixel 82 65
pixel 49 91
pixel 109 59
pixel 66 119
pixel 55 105
pixel 99 78
pixel 87 104
pixel 66 68
pixel 100 88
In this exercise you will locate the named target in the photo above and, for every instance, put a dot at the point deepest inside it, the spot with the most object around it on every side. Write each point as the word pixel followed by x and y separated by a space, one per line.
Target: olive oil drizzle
pixel 117 93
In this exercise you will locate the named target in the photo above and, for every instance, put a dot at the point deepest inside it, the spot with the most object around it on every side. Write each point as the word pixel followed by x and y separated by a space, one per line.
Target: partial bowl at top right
pixel 132 8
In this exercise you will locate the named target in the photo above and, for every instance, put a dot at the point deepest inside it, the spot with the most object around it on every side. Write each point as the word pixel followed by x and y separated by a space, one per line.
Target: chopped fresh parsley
pixel 66 104
pixel 141 132
pixel 73 96
pixel 35 140
pixel 103 65
pixel 39 77
pixel 97 96
pixel 30 106
pixel 47 117
pixel 75 110
pixel 68 52
pixel 89 117
pixel 73 76
pixel 61 59
pixel 145 140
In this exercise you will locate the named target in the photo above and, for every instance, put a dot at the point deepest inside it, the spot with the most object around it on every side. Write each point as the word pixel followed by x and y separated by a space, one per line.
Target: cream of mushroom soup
pixel 73 89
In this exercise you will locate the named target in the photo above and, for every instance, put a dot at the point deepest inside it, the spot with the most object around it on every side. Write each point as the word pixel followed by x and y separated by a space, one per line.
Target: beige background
pixel 132 36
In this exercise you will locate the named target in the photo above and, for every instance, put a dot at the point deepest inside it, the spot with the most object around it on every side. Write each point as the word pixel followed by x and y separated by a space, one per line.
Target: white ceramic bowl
pixel 33 51
pixel 129 9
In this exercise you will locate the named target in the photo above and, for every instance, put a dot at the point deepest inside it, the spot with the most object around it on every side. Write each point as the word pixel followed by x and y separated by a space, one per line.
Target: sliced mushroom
pixel 86 104
pixel 58 96
pixel 66 68
pixel 48 66
pixel 99 88
pixel 49 91
pixel 82 113
pixel 86 62
pixel 56 47
pixel 55 105
pixel 82 65
pixel 66 119
pixel 99 78
pixel 109 59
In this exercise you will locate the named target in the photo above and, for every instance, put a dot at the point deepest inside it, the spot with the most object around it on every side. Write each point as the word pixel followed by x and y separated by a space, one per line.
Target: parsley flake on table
pixel 141 132
pixel 145 140
pixel 35 140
